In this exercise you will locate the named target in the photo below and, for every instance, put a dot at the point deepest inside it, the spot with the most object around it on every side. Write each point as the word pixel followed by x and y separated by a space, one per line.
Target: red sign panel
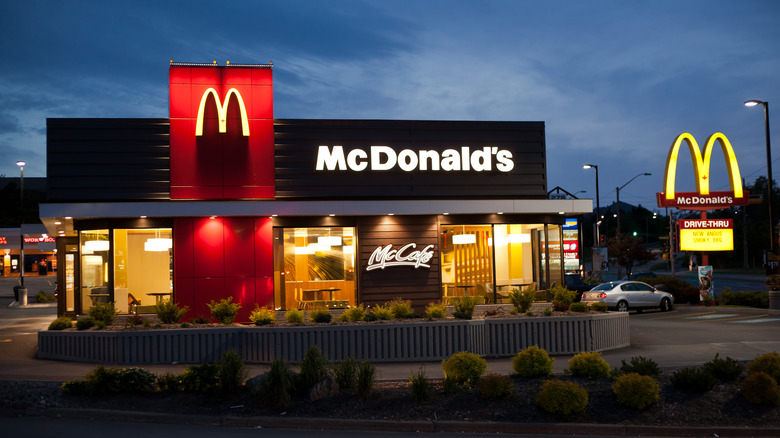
pixel 696 201
pixel 222 136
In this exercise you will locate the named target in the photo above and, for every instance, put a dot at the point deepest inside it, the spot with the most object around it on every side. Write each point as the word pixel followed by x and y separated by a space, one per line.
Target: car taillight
pixel 602 295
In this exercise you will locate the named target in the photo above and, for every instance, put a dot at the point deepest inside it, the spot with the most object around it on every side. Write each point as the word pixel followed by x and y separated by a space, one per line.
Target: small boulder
pixel 326 388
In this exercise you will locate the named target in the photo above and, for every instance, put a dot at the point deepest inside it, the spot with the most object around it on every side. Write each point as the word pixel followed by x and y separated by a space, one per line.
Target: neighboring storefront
pixel 39 251
pixel 221 200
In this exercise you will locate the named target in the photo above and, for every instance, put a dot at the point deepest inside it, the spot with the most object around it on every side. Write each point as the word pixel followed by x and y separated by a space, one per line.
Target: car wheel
pixel 622 306
pixel 666 305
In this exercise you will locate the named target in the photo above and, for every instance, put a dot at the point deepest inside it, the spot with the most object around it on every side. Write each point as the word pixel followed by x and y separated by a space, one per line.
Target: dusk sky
pixel 614 81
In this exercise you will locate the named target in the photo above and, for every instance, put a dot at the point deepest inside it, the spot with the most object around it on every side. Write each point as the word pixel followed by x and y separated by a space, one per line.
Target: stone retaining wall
pixel 391 342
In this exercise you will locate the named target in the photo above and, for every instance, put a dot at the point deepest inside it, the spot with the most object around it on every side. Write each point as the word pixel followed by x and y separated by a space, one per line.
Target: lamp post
pixel 617 192
pixel 22 289
pixel 751 103
pixel 598 207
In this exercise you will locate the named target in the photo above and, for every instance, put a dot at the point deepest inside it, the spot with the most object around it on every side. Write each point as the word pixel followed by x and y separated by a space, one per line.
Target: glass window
pixel 514 257
pixel 316 267
pixel 94 268
pixel 466 261
pixel 143 274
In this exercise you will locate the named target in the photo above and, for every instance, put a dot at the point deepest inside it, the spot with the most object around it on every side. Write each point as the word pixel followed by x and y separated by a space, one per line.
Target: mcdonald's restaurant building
pixel 222 200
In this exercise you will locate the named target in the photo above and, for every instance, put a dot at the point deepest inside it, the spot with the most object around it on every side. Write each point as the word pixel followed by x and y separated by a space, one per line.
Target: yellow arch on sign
pixel 701 167
pixel 222 111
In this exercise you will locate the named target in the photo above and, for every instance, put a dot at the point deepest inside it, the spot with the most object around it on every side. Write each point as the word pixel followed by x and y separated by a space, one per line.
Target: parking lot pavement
pixel 34 284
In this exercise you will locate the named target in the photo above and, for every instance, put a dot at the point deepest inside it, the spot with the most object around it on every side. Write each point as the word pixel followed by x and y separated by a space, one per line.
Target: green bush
pixel 401 308
pixel 682 291
pixel 85 323
pixel 277 384
pixel 493 386
pixel 761 389
pixel 43 297
pixel 345 373
pixel 382 313
pixel 104 313
pixel 636 391
pixel 642 366
pixel 464 307
pixel 693 380
pixel 547 311
pixel 320 315
pixel 562 398
pixel 357 313
pixel 224 311
pixel 725 370
pixel 200 378
pixel 464 367
pixel 533 362
pixel 590 365
pixel 450 386
pixel 293 316
pixel 768 363
pixel 103 380
pixel 199 319
pixel 579 307
pixel 61 323
pixel 758 299
pixel 134 320
pixel 262 315
pixel 366 376
pixel 231 371
pixel 436 310
pixel 169 312
pixel 169 382
pixel 421 387
pixel 562 298
pixel 522 300
pixel 313 368
pixel 599 306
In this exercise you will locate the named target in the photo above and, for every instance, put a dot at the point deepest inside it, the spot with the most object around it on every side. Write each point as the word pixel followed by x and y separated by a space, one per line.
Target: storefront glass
pixel 514 258
pixel 143 274
pixel 316 267
pixel 466 261
pixel 95 248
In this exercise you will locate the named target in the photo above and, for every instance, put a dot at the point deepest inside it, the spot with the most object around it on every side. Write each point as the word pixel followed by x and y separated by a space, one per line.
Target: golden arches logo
pixel 701 167
pixel 222 111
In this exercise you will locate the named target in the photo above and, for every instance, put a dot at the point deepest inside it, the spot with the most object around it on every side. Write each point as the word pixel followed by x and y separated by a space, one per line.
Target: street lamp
pixel 598 207
pixel 617 191
pixel 22 291
pixel 768 169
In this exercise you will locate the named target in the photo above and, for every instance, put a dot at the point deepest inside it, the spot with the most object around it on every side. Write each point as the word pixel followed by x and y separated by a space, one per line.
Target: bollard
pixel 23 296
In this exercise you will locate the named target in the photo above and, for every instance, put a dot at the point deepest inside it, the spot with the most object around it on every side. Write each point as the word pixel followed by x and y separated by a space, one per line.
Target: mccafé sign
pixel 380 158
pixel 407 255
pixel 702 198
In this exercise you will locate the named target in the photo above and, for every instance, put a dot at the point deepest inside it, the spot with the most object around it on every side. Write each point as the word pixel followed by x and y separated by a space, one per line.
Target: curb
pixel 400 426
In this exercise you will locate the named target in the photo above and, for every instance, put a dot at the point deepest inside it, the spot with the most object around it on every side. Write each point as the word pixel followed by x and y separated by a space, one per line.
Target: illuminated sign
pixel 706 235
pixel 702 199
pixel 386 256
pixel 379 158
pixel 222 111
pixel 3 240
pixel 39 239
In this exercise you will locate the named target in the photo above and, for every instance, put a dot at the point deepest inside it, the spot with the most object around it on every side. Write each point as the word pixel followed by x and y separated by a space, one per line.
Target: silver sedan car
pixel 629 295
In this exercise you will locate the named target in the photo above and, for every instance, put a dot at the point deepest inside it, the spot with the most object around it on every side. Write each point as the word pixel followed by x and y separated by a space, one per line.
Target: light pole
pixel 617 192
pixel 598 207
pixel 22 289
pixel 768 169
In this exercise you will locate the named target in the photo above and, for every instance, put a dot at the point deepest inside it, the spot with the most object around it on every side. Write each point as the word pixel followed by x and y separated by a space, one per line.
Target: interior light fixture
pixel 329 240
pixel 518 238
pixel 463 238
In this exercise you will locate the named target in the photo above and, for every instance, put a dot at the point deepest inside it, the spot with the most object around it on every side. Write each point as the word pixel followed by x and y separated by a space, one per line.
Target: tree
pixel 628 251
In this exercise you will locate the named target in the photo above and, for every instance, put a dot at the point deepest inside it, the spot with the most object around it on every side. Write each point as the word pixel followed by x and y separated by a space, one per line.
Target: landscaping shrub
pixel 435 310
pixel 579 307
pixel 522 300
pixel 169 312
pixel 382 313
pixel 224 311
pixel 262 315
pixel 642 366
pixel 104 314
pixel 85 323
pixel 313 368
pixel 345 373
pixel 693 380
pixel 636 391
pixel 293 316
pixel 562 298
pixel 276 384
pixel 200 378
pixel 725 370
pixel 231 371
pixel 401 308
pixel 366 376
pixel 768 363
pixel 320 315
pixel 61 323
pixel 682 291
pixel 464 367
pixel 758 299
pixel 599 306
pixel 532 362
pixel 493 386
pixel 562 398
pixel 761 389
pixel 43 297
pixel 134 320
pixel 464 307
pixel 134 380
pixel 357 313
pixel 547 311
pixel 168 382
pixel 590 365
pixel 199 319
pixel 421 388
pixel 450 386
pixel 103 380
